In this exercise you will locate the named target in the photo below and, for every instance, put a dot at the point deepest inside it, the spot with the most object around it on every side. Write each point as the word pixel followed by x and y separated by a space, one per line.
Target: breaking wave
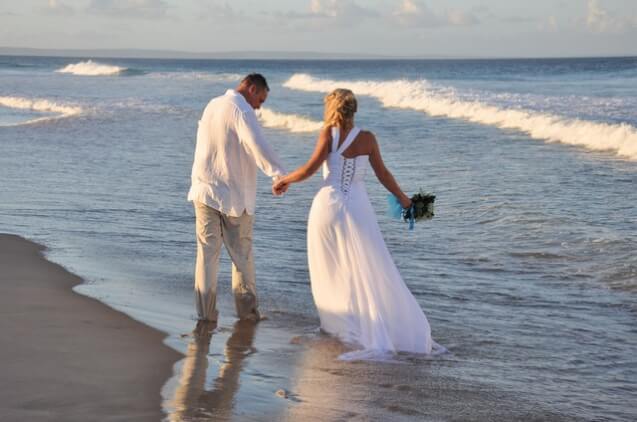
pixel 91 68
pixel 290 122
pixel 53 109
pixel 621 138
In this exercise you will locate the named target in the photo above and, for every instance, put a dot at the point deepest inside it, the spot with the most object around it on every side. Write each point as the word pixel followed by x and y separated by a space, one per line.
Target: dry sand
pixel 68 357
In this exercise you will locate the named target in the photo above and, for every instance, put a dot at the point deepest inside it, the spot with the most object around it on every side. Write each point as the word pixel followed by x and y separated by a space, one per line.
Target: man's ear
pixel 252 89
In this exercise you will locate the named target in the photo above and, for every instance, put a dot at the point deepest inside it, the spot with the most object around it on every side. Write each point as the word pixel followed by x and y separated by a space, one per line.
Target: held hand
pixel 279 187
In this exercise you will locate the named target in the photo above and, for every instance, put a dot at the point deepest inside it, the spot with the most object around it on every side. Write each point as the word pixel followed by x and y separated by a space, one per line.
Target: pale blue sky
pixel 483 28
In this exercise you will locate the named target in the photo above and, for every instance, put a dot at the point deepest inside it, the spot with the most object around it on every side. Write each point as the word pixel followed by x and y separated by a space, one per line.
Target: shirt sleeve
pixel 252 138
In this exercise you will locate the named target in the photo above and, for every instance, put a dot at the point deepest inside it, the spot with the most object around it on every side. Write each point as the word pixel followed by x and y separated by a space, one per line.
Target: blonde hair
pixel 340 106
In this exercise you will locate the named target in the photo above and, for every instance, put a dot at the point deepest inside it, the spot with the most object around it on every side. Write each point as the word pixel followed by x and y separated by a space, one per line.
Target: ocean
pixel 527 273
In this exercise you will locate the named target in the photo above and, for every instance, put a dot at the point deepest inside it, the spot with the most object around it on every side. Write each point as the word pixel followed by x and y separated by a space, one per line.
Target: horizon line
pixel 128 53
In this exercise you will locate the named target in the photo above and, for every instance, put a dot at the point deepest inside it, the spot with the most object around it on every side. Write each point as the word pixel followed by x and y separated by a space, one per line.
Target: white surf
pixel 91 68
pixel 289 122
pixel 620 138
pixel 40 106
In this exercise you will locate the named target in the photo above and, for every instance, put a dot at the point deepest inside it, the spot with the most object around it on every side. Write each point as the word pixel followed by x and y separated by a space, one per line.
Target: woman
pixel 358 291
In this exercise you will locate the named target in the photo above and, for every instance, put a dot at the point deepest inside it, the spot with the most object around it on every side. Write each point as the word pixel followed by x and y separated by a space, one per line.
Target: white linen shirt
pixel 230 147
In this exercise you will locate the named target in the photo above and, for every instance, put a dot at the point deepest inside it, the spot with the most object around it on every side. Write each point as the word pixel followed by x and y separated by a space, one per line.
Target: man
pixel 230 147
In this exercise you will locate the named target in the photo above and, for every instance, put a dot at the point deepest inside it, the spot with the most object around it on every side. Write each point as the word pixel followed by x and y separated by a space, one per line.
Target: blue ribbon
pixel 397 211
pixel 411 218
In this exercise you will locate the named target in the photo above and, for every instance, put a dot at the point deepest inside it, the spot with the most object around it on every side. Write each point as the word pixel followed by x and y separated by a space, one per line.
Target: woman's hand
pixel 279 186
pixel 405 202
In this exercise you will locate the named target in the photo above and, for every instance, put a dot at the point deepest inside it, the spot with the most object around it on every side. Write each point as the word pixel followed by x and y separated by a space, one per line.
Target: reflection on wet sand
pixel 324 393
pixel 408 388
pixel 315 386
pixel 192 400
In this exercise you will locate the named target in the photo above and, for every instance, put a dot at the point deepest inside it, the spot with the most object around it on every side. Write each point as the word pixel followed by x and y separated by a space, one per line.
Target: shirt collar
pixel 240 98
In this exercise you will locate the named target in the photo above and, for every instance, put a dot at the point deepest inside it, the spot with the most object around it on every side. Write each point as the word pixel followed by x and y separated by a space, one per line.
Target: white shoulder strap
pixel 353 133
pixel 336 134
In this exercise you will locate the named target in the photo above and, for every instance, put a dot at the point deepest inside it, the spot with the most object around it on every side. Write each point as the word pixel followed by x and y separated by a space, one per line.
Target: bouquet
pixel 422 208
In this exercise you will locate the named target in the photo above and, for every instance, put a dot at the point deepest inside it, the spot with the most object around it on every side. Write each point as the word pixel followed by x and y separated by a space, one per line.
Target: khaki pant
pixel 214 228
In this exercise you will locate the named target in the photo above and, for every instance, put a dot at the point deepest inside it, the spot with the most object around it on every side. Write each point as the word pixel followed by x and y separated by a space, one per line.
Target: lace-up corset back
pixel 340 172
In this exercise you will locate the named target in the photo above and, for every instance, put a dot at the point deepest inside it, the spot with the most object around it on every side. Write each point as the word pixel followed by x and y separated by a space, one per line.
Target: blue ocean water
pixel 528 272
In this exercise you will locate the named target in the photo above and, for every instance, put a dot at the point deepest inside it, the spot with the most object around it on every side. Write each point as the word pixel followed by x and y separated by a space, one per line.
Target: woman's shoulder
pixel 325 133
pixel 324 138
pixel 367 136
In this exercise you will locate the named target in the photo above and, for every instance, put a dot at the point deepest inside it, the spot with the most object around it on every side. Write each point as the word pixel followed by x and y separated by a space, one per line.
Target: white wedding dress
pixel 358 291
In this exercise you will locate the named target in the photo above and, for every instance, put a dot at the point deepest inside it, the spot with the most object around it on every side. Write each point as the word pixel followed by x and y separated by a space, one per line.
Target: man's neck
pixel 243 93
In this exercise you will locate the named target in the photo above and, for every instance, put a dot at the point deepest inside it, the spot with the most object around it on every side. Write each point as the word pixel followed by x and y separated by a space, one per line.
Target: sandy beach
pixel 69 357
pixel 72 358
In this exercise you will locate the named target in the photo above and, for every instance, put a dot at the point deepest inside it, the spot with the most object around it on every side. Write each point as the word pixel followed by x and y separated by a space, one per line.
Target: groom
pixel 230 147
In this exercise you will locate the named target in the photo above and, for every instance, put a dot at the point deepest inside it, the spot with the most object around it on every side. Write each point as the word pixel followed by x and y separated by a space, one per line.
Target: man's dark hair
pixel 256 79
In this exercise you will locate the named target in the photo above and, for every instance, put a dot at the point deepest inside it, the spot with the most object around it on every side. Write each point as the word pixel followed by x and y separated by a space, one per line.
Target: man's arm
pixel 251 136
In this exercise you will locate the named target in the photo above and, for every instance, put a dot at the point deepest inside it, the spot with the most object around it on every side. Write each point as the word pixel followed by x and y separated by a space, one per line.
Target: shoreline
pixel 70 357
pixel 82 360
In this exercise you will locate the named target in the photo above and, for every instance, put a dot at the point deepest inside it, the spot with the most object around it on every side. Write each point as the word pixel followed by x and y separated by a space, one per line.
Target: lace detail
pixel 341 173
pixel 347 174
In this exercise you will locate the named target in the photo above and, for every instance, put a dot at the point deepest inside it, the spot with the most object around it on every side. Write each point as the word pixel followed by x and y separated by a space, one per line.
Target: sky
pixel 419 28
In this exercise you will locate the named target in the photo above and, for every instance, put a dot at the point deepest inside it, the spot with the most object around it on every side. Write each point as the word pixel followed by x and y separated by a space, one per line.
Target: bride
pixel 358 291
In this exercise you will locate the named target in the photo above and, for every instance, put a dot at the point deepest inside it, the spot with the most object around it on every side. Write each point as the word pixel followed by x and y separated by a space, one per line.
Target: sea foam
pixel 41 106
pixel 418 95
pixel 290 122
pixel 91 68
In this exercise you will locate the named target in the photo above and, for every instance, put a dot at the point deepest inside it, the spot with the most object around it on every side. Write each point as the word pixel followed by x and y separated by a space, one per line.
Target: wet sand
pixel 69 357
pixel 242 372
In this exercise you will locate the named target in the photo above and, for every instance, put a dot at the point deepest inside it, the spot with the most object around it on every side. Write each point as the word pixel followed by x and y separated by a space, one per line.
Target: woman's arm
pixel 384 175
pixel 309 168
